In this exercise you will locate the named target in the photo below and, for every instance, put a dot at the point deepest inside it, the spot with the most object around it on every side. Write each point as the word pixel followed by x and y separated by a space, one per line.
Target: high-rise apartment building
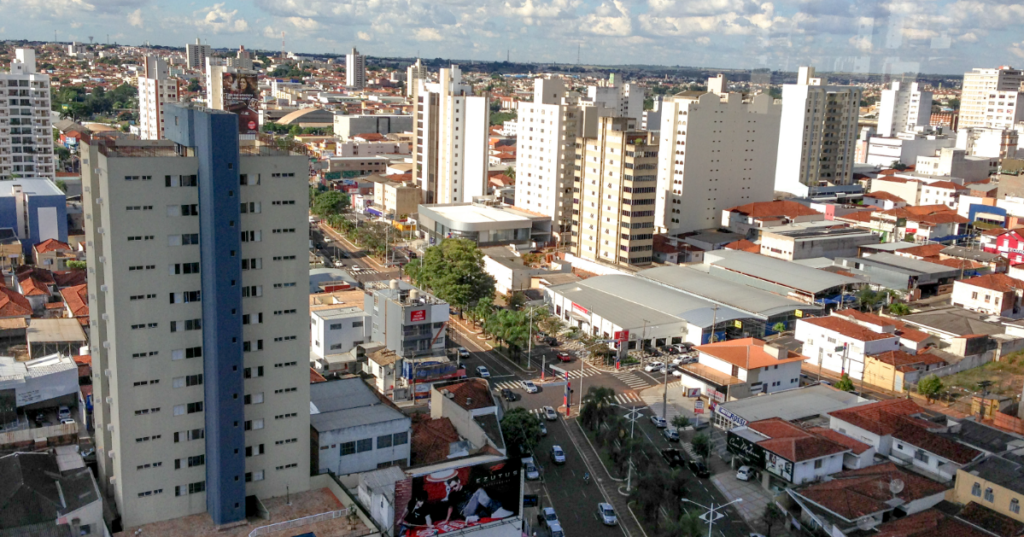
pixel 817 135
pixel 155 89
pixel 195 55
pixel 625 100
pixel 717 151
pixel 414 72
pixel 26 137
pixel 903 108
pixel 450 150
pixel 614 194
pixel 197 284
pixel 992 98
pixel 355 70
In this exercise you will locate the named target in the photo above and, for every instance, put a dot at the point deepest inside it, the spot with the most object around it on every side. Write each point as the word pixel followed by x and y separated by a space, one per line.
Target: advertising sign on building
pixel 751 453
pixel 778 466
pixel 693 392
pixel 726 413
pixel 698 407
pixel 452 500
pixel 418 315
pixel 242 96
pixel 580 310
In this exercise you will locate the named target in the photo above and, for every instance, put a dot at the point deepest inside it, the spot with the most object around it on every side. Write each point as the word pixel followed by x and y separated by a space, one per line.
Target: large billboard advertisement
pixel 452 500
pixel 242 97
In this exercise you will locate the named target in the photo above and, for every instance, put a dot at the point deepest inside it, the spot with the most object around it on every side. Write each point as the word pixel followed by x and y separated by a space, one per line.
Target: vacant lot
pixel 1006 376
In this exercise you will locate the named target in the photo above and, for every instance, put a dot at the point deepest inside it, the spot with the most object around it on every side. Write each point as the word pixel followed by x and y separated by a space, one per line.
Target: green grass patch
pixel 1006 376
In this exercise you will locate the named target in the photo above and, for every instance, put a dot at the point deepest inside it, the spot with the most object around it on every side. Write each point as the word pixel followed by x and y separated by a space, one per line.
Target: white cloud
pixel 427 34
pixel 303 23
pixel 608 19
pixel 1017 49
pixel 217 20
pixel 135 18
pixel 364 36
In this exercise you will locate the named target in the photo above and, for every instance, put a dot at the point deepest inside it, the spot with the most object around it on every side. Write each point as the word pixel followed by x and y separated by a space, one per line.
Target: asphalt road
pixel 371 269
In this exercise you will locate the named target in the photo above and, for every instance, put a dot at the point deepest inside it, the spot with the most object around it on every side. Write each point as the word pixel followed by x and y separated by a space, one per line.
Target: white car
pixel 483 372
pixel 659 422
pixel 327 239
pixel 531 470
pixel 652 367
pixel 463 352
pixel 530 386
pixel 607 514
pixel 677 373
pixel 64 412
pixel 557 455
pixel 550 414
pixel 339 264
pixel 745 473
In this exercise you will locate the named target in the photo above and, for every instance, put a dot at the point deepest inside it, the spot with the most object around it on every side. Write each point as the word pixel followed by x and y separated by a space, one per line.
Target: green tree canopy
pixel 520 428
pixel 702 445
pixel 844 383
pixel 680 422
pixel 771 517
pixel 330 203
pixel 454 272
pixel 930 386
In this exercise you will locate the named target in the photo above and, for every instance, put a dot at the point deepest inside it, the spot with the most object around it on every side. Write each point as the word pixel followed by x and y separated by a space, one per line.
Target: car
pixel 327 239
pixel 563 356
pixel 659 422
pixel 40 417
pixel 745 473
pixel 64 412
pixel 483 372
pixel 678 373
pixel 543 429
pixel 66 421
pixel 530 386
pixel 531 470
pixel 607 514
pixel 699 469
pixel 355 268
pixel 678 361
pixel 670 434
pixel 508 395
pixel 463 352
pixel 673 457
pixel 551 341
pixel 550 414
pixel 653 367
pixel 339 264
pixel 825 382
pixel 557 455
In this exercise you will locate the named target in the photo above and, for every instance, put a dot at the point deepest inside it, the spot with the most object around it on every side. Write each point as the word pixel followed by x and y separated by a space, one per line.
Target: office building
pixel 904 108
pixel 614 194
pixel 242 59
pixel 547 129
pixel 355 70
pixel 406 320
pixel 992 98
pixel 35 209
pixel 25 120
pixel 717 152
pixel 346 127
pixel 817 134
pixel 155 89
pixel 414 72
pixel 450 149
pixel 625 100
pixel 198 315
pixel 195 55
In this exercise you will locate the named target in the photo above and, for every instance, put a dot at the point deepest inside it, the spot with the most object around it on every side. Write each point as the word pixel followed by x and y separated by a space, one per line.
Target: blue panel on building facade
pixel 214 137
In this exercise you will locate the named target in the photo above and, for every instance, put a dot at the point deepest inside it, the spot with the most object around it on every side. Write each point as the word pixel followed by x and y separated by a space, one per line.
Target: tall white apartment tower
pixel 817 135
pixel 355 69
pixel 196 251
pixel 904 107
pixel 716 151
pixel 25 120
pixel 414 72
pixel 195 55
pixel 155 89
pixel 625 100
pixel 451 148
pixel 992 98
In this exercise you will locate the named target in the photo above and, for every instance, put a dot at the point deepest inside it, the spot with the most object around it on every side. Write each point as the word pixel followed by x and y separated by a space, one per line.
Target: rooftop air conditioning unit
pixel 110 400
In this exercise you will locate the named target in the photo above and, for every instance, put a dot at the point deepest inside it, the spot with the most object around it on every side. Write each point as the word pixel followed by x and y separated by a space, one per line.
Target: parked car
pixel 530 469
pixel 551 341
pixel 549 516
pixel 564 356
pixel 678 373
pixel 67 421
pixel 64 412
pixel 652 367
pixel 673 457
pixel 483 372
pixel 699 469
pixel 607 514
pixel 530 386
pixel 745 473
pixel 339 264
pixel 659 422
pixel 550 414
pixel 670 434
pixel 543 429
pixel 557 455
pixel 463 352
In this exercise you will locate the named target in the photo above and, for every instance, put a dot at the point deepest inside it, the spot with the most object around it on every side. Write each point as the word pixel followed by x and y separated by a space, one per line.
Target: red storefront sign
pixel 418 315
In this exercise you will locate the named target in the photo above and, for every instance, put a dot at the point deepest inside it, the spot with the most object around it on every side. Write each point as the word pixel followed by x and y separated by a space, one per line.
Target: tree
pixel 76 265
pixel 779 327
pixel 702 445
pixel 597 406
pixel 511 173
pixel 63 186
pixel 516 301
pixel 193 85
pixel 930 387
pixel 483 309
pixel 454 271
pixel 680 422
pixel 899 308
pixel 520 428
pixel 330 203
pixel 649 495
pixel 687 525
pixel 844 383
pixel 771 516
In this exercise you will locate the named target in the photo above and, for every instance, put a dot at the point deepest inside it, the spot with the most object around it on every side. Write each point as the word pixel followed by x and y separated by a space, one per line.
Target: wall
pixel 816 338
pixel 330 447
pixel 805 472
pixel 881 444
pixel 980 299
pixel 324 338
pixel 1001 496
pixel 909 191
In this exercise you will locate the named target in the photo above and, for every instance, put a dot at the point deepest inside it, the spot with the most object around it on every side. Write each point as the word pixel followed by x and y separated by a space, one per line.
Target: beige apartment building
pixel 395 198
pixel 614 194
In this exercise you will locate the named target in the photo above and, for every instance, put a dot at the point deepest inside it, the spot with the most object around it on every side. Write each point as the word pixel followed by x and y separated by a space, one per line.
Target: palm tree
pixel 597 406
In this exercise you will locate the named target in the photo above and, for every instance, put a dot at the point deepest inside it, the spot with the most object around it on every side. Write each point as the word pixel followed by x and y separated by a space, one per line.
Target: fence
pixel 298 522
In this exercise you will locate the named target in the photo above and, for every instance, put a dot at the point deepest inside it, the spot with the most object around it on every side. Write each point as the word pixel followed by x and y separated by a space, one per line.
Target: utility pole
pixel 529 342
pixel 714 321
pixel 664 397
pixel 632 416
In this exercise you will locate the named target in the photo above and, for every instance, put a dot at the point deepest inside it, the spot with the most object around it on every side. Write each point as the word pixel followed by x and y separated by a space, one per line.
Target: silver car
pixel 607 514
pixel 531 471
pixel 550 414
pixel 557 455
pixel 530 386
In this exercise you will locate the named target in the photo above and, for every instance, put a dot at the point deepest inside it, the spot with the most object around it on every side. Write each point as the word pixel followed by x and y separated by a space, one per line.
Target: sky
pixel 892 37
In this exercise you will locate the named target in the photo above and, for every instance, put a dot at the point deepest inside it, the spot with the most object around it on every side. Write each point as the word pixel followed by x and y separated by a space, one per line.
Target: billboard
pixel 452 500
pixel 242 97
pixel 418 315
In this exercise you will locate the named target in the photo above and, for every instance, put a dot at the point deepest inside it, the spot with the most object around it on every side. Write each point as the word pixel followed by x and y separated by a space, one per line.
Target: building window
pixel 401 438
pixel 922 456
pixel 348 448
pixel 818 464
pixel 384 441
pixel 976 490
pixel 364 445
pixel 1015 506
pixel 989 495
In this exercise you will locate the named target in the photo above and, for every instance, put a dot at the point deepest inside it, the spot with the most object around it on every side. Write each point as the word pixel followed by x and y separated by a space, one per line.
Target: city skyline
pixel 883 37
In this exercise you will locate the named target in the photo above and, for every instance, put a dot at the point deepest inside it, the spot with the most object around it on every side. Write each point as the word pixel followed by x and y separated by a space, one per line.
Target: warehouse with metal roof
pixel 779 276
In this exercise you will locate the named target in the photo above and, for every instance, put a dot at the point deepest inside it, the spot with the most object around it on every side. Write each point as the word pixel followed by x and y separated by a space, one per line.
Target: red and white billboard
pixel 576 308
pixel 1009 245
pixel 418 315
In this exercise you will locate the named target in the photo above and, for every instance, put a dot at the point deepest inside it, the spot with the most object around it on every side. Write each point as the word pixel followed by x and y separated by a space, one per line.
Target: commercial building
pixel 25 120
pixel 782 451
pixel 741 368
pixel 751 218
pixel 35 209
pixel 345 127
pixel 781 277
pixel 451 147
pixel 829 240
pixel 994 482
pixel 184 391
pixel 406 320
pixel 917 278
pixel 905 148
pixel 903 108
pixel 394 199
pixel 802 404
pixel 484 224
pixel 38 387
pixel 717 151
pixel 840 346
pixel 337 331
pixel 414 72
pixel 195 55
pixel 956 163
pixel 613 199
pixel 355 70
pixel 155 89
pixel 817 134
pixel 992 98
pixel 355 430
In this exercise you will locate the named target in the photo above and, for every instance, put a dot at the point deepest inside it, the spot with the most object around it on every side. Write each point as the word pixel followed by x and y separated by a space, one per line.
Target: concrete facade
pixel 155 89
pixel 30 135
pixel 355 70
pixel 35 209
pixel 904 108
pixel 992 98
pixel 345 127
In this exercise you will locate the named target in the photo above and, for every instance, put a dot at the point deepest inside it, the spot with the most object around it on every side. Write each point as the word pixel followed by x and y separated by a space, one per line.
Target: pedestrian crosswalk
pixel 631 379
pixel 517 384
pixel 508 384
pixel 576 373
pixel 628 398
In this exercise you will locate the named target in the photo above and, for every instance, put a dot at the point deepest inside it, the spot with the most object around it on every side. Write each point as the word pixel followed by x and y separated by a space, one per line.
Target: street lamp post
pixel 529 342
pixel 711 510
pixel 632 416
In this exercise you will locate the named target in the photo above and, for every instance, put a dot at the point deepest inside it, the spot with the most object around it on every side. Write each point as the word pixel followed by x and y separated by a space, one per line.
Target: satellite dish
pixel 866 523
pixel 896 486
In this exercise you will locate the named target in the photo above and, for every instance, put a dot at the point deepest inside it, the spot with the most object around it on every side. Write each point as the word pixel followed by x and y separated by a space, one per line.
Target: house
pixel 942 193
pixel 739 368
pixel 897 370
pixel 50 494
pixel 76 304
pixel 52 254
pixel 911 340
pixel 337 331
pixel 674 250
pixel 788 452
pixel 511 272
pixel 1009 244
pixel 994 294
pixel 897 429
pixel 884 200
pixel 748 220
pixel 995 482
pixel 931 523
pixel 839 345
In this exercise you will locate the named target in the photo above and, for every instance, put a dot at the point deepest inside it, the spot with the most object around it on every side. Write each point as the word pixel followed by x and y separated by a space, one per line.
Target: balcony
pixel 25 432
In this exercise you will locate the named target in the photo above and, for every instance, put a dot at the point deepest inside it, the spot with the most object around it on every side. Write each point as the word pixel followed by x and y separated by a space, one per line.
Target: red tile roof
pixel 857 216
pixel 747 353
pixel 370 137
pixel 40 274
pixel 68 278
pixel 744 245
pixel 847 328
pixel 33 286
pixel 471 394
pixel 857 493
pixel 887 196
pixel 792 442
pixel 856 446
pixel 315 377
pixel 764 209
pixel 431 440
pixel 929 523
pixel 51 245
pixel 13 304
pixel 77 299
pixel 997 523
pixel 901 327
pixel 925 250
pixel 901 358
pixel 995 282
pixel 947 185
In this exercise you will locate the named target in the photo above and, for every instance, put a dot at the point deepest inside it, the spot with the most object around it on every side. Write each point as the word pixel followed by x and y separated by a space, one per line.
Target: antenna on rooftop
pixel 90 39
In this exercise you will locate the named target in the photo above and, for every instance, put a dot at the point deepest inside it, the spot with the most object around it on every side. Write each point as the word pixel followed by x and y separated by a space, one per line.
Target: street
pixel 340 249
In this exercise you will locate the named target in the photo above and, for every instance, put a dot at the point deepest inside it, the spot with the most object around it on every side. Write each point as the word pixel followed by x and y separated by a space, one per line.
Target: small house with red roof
pixel 740 368
pixel 884 200
pixel 53 254
pixel 1009 244
pixel 993 294
pixel 840 345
